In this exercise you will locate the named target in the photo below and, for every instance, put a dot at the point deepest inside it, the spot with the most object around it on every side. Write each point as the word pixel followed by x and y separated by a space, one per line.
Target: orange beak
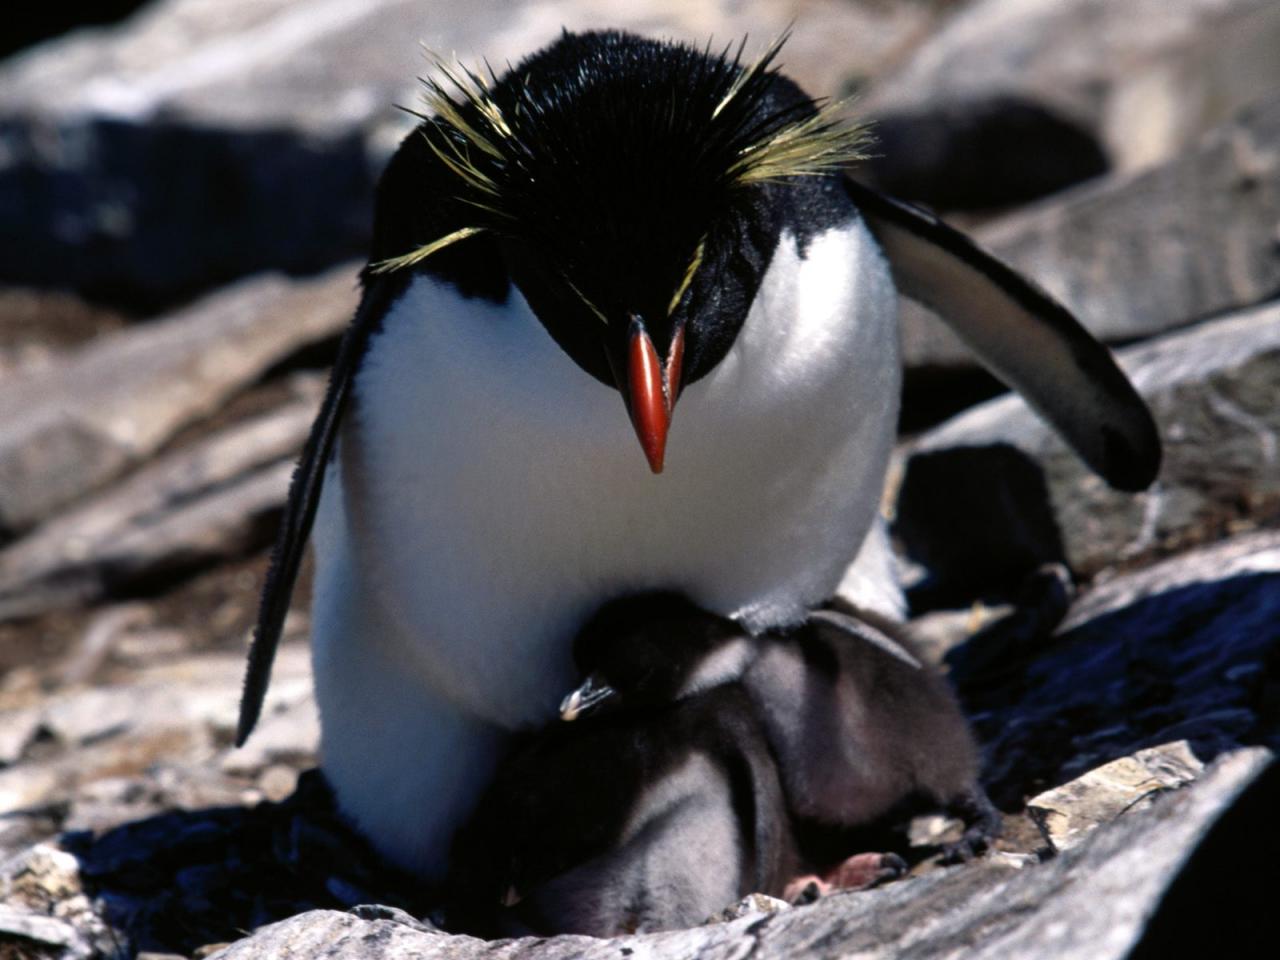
pixel 652 389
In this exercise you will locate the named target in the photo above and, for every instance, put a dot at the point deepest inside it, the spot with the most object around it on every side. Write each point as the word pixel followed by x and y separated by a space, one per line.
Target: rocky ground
pixel 1119 655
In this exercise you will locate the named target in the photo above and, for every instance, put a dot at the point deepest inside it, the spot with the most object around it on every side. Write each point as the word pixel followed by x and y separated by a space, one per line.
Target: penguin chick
pixel 657 813
pixel 863 727
pixel 860 725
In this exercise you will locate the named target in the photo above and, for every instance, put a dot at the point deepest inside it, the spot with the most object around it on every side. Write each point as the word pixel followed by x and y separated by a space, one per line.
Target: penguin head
pixel 650 650
pixel 631 189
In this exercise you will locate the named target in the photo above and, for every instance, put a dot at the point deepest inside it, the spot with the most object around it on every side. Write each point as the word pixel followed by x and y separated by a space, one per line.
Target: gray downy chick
pixel 864 728
pixel 661 809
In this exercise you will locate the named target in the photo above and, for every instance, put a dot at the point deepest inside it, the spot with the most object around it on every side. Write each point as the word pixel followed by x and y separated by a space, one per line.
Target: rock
pixel 38 326
pixel 752 905
pixel 17 729
pixel 1162 105
pixel 1242 557
pixel 288 733
pixel 1204 224
pixel 225 524
pixel 25 787
pixel 43 908
pixel 993 492
pixel 114 402
pixel 1090 901
pixel 376 911
pixel 1186 650
pixel 1074 59
pixel 1144 253
pixel 1067 814
pixel 45 931
pixel 267 121
pixel 189 506
pixel 1216 889
pixel 171 722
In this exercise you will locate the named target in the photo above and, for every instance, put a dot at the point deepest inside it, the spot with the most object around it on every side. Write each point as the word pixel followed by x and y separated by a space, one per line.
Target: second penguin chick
pixel 863 727
pixel 860 726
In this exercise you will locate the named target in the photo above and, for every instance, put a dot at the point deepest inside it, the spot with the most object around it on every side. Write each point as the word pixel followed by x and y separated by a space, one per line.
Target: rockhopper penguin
pixel 621 238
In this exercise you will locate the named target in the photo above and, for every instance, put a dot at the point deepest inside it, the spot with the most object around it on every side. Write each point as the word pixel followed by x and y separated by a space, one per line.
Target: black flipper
pixel 1023 335
pixel 304 498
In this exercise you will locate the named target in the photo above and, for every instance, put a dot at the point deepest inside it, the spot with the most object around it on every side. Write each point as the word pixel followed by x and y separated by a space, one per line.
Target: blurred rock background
pixel 184 202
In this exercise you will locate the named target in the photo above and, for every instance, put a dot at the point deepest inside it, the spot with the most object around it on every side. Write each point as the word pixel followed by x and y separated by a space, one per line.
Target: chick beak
pixel 652 387
pixel 589 697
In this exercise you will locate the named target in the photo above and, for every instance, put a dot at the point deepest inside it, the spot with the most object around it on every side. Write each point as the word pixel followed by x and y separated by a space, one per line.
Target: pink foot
pixel 864 870
pixel 858 872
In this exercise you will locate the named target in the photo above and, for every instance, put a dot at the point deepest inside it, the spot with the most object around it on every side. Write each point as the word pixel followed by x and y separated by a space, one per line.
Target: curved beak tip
pixel 652 386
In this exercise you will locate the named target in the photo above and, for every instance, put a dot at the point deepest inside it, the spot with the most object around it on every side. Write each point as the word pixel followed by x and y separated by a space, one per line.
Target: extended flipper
pixel 304 498
pixel 1023 335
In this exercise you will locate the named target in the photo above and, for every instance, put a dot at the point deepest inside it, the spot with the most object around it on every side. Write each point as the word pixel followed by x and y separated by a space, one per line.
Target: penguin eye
pixel 690 270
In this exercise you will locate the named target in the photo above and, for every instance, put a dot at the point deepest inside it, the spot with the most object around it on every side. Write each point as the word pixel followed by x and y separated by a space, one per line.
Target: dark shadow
pixel 981 153
pixel 931 395
pixel 1220 901
pixel 1200 662
pixel 42 21
pixel 978 519
pixel 144 216
pixel 181 880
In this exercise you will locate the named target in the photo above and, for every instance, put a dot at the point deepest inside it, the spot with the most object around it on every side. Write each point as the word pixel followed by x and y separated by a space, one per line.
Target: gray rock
pixel 1091 901
pixel 973 507
pixel 172 721
pixel 42 930
pixel 752 905
pixel 1069 56
pixel 1165 103
pixel 1139 254
pixel 38 326
pixel 114 402
pixel 43 909
pixel 190 506
pixel 1069 813
pixel 267 120
pixel 18 728
pixel 1242 556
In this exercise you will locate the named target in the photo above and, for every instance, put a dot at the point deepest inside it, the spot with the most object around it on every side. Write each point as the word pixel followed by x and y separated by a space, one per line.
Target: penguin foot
pixel 982 824
pixel 859 872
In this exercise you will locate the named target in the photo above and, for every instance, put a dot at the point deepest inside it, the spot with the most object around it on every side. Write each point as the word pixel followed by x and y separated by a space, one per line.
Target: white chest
pixel 493 493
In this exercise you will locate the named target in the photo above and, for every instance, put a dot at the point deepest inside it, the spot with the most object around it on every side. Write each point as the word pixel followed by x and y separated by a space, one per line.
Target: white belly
pixel 489 495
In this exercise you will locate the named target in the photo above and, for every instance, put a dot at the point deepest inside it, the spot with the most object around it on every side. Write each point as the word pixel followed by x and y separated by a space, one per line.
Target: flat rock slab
pixel 108 406
pixel 1067 814
pixel 994 492
pixel 189 507
pixel 1074 56
pixel 1091 901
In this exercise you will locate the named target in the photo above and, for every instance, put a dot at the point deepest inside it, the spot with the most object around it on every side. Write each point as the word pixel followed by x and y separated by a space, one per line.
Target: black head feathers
pixel 670 124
